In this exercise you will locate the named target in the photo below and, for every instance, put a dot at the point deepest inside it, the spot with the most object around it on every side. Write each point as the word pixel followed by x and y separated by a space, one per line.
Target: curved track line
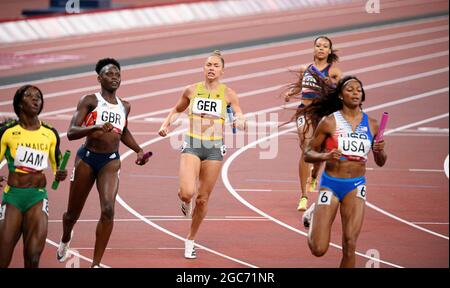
pixel 243 201
pixel 57 245
pixel 135 213
pixel 139 216
pixel 233 192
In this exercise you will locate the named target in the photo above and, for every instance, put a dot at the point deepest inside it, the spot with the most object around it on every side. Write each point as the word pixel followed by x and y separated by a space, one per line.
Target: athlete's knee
pixel 185 193
pixel 349 245
pixel 70 217
pixel 318 249
pixel 201 201
pixel 32 259
pixel 108 211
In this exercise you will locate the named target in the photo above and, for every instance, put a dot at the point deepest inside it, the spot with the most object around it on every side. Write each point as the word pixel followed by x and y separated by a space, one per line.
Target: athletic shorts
pixel 342 186
pixel 96 160
pixel 204 149
pixel 23 198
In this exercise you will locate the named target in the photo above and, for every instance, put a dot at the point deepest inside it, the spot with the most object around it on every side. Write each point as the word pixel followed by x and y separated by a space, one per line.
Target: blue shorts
pixel 96 160
pixel 341 186
pixel 310 95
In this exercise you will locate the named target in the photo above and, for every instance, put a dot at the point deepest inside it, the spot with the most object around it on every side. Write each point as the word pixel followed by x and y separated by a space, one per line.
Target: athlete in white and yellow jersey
pixel 203 150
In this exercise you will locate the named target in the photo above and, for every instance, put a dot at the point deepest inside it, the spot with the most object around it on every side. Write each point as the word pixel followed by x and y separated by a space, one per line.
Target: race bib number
pixel 300 121
pixel 354 146
pixel 212 107
pixel 361 193
pixel 325 197
pixel 29 159
pixel 223 150
pixel 114 116
pixel 2 212
pixel 45 206
pixel 72 175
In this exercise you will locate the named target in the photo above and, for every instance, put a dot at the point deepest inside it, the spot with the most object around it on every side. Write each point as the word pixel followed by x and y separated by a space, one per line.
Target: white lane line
pixel 208 29
pixel 282 56
pixel 142 218
pixel 165 219
pixel 431 223
pixel 154 225
pixel 231 190
pixel 75 254
pixel 90 260
pixel 446 166
pixel 360 71
pixel 426 170
pixel 134 212
pixel 277 87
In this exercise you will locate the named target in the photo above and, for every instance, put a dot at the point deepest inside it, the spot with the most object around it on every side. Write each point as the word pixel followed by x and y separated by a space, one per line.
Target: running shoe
pixel 186 208
pixel 302 204
pixel 62 253
pixel 312 184
pixel 307 216
pixel 189 249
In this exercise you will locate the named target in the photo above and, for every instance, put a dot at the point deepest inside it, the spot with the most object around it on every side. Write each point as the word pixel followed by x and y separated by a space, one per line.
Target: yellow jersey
pixel 207 112
pixel 29 151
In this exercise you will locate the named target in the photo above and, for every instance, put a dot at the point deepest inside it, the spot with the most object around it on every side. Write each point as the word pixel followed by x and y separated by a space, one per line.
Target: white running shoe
pixel 63 249
pixel 186 208
pixel 189 249
pixel 307 216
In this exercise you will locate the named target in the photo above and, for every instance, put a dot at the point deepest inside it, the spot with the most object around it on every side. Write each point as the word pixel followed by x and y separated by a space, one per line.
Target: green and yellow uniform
pixel 28 151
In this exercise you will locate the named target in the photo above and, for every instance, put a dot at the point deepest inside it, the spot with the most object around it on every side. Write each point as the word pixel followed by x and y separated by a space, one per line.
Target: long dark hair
pixel 326 103
pixel 332 57
pixel 295 88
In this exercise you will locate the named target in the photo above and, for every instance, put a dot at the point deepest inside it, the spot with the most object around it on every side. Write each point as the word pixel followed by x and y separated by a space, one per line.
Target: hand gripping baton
pixel 383 122
pixel 231 118
pixel 62 166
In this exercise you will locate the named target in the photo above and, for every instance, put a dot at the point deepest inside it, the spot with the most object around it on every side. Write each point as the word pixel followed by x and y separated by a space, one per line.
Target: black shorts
pixel 96 160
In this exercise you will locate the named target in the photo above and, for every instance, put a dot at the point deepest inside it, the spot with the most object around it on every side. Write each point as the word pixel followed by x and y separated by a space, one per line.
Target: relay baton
pixel 62 166
pixel 147 155
pixel 231 118
pixel 321 75
pixel 383 122
pixel 315 70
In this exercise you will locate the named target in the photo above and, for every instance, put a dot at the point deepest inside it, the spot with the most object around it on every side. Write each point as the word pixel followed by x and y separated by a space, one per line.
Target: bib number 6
pixel 325 197
pixel 361 192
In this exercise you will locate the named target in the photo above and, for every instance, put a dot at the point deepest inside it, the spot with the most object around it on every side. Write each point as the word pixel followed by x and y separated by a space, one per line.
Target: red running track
pixel 252 221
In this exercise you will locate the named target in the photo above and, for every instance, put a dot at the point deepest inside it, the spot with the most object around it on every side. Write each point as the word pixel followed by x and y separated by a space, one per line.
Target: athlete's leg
pixel 320 228
pixel 10 231
pixel 352 215
pixel 35 222
pixel 304 169
pixel 107 186
pixel 80 187
pixel 209 171
pixel 188 173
